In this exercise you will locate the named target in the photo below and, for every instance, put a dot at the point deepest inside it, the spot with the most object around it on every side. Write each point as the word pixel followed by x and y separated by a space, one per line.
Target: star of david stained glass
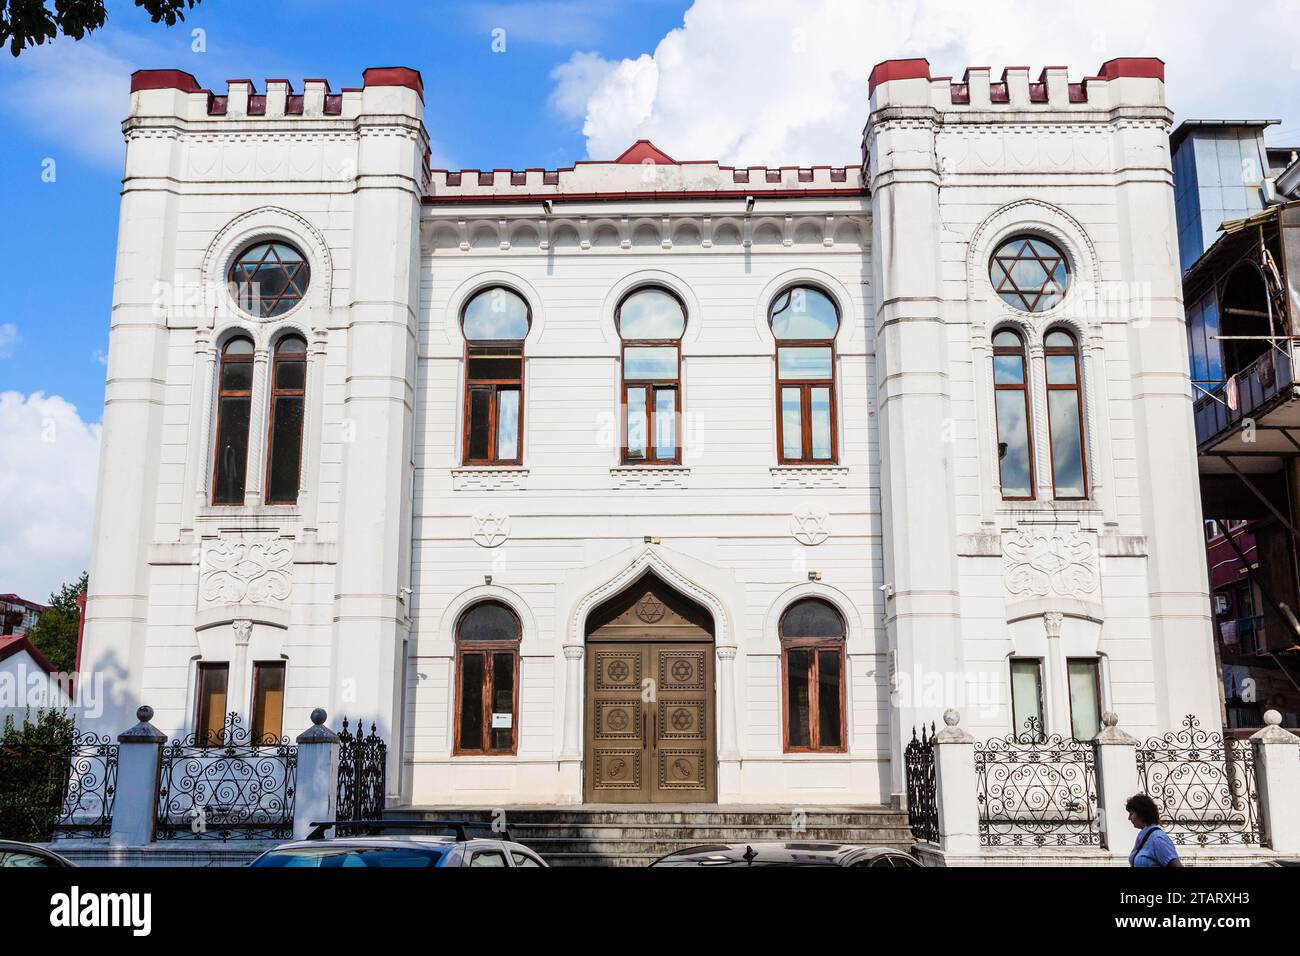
pixel 269 279
pixel 1030 274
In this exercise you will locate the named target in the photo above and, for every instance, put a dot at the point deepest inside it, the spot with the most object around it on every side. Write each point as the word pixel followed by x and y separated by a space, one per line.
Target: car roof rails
pixel 458 828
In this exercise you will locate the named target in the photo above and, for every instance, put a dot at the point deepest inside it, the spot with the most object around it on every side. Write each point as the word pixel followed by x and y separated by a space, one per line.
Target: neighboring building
pixel 18 615
pixel 648 480
pixel 29 683
pixel 1239 233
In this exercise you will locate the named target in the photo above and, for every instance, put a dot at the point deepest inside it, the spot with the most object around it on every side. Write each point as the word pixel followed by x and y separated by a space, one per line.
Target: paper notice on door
pixel 502 721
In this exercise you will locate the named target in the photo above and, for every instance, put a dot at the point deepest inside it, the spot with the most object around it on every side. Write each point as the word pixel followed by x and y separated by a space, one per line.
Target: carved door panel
pixel 649 723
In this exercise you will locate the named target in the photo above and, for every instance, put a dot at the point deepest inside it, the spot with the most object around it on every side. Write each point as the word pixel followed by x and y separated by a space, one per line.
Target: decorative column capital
pixel 574 652
pixel 726 652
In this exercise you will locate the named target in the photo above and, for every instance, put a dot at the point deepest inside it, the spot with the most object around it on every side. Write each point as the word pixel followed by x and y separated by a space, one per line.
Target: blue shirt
pixel 1157 850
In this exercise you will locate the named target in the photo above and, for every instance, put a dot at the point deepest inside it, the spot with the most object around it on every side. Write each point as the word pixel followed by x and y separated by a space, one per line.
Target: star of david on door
pixel 650 610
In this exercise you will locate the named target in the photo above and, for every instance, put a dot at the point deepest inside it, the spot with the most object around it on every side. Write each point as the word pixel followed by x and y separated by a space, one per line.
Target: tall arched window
pixel 1011 398
pixel 651 323
pixel 812 677
pixel 495 324
pixel 804 322
pixel 487 680
pixel 284 434
pixel 234 407
pixel 1065 416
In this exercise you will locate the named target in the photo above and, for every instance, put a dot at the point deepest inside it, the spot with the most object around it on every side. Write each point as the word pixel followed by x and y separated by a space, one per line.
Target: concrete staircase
pixel 638 835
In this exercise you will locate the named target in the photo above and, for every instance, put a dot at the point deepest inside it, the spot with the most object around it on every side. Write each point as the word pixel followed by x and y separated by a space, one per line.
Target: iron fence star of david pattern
pixel 229 786
pixel 1036 791
pixel 363 762
pixel 922 795
pixel 1029 274
pixel 1203 784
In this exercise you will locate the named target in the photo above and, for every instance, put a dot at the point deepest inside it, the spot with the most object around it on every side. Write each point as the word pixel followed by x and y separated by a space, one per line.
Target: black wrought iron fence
pixel 230 786
pixel 1036 791
pixel 362 774
pixel 1203 783
pixel 63 789
pixel 87 807
pixel 922 797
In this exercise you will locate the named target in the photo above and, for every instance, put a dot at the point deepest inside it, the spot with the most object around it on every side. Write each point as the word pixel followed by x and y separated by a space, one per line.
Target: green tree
pixel 55 632
pixel 35 762
pixel 25 23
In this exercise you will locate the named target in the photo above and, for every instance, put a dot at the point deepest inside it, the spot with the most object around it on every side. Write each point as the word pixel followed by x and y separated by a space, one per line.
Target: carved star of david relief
pixel 491 530
pixel 810 527
pixel 650 610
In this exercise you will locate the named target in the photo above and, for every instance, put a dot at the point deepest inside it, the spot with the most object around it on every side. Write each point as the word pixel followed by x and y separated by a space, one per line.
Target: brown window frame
pixel 805 386
pixel 297 277
pixel 254 708
pixel 1077 388
pixel 815 647
pixel 1016 730
pixel 1022 352
pixel 488 649
pixel 652 387
pixel 1095 664
pixel 275 392
pixel 223 393
pixel 203 733
pixel 493 348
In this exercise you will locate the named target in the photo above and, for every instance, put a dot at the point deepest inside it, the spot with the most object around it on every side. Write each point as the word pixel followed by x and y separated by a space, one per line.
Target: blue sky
pixel 761 82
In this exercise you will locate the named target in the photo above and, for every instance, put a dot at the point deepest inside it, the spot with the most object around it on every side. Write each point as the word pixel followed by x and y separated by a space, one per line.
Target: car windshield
pixel 336 856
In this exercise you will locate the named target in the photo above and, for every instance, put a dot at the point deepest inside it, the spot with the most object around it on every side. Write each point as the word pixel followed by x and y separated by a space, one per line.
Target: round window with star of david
pixel 269 278
pixel 1030 274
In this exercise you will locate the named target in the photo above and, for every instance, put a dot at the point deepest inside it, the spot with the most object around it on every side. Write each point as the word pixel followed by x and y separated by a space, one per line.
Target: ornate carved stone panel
pixel 246 572
pixel 1045 563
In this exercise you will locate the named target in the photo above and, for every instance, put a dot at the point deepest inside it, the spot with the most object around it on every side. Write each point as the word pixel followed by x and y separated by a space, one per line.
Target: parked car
pixel 430 843
pixel 789 854
pixel 13 853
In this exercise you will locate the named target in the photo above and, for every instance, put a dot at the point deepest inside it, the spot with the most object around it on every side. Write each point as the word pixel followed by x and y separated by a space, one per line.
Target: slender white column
pixel 573 655
pixel 730 749
pixel 1117 780
pixel 257 430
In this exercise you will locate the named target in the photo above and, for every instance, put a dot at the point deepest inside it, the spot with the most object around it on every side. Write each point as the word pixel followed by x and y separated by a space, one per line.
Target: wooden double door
pixel 650 723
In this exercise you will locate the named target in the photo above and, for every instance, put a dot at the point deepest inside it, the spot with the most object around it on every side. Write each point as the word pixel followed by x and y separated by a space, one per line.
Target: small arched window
pixel 234 407
pixel 269 278
pixel 495 323
pixel 651 323
pixel 1011 399
pixel 812 666
pixel 805 322
pixel 1030 274
pixel 284 435
pixel 1065 416
pixel 487 680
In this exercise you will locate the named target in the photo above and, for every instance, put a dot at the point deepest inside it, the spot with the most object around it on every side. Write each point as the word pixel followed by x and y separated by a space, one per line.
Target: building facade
pixel 650 480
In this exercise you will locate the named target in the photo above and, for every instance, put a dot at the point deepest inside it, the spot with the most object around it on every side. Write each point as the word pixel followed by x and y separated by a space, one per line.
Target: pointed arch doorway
pixel 649 727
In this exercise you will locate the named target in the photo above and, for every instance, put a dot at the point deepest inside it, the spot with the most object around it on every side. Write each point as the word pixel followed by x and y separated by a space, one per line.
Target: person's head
pixel 1142 811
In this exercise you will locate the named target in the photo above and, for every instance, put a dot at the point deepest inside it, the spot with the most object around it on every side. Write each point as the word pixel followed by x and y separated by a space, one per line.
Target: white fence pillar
pixel 956 796
pixel 318 775
pixel 1277 780
pixel 135 801
pixel 1117 781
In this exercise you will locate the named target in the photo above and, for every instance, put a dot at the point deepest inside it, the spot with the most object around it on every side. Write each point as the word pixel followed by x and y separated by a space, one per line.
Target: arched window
pixel 1011 398
pixel 1065 416
pixel 812 677
pixel 495 323
pixel 804 322
pixel 284 435
pixel 1030 274
pixel 234 406
pixel 651 323
pixel 487 680
pixel 269 278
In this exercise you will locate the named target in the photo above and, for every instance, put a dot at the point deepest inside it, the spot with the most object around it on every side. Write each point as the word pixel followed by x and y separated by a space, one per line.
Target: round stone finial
pixel 952 717
pixel 318 716
pixel 144 713
pixel 1110 718
pixel 1272 719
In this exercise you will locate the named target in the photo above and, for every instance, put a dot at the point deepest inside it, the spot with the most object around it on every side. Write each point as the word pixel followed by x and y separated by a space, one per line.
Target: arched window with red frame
pixel 1011 403
pixel 495 323
pixel 234 411
pixel 804 323
pixel 813 677
pixel 651 322
pixel 1065 416
pixel 487 680
pixel 284 431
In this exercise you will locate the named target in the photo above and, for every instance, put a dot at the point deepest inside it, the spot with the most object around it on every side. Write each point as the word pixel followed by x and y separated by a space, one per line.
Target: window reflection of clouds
pixel 496 315
pixel 651 314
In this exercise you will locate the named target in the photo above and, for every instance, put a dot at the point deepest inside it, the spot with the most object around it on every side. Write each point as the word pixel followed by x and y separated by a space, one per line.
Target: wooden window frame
pixel 258 667
pixel 1021 353
pixel 1095 664
pixel 814 645
pixel 275 392
pixel 805 386
pixel 651 386
pixel 485 347
pixel 1077 388
pixel 222 393
pixel 1016 732
pixel 488 649
pixel 201 734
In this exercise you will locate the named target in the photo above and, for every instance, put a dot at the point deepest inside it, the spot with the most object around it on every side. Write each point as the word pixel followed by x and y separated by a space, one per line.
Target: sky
pixel 512 84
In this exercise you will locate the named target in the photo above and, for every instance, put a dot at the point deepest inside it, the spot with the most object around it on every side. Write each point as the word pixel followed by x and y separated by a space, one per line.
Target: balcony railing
pixel 1227 404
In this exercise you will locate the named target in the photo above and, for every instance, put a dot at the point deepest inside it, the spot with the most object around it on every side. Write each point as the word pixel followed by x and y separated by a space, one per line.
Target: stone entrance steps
pixel 638 835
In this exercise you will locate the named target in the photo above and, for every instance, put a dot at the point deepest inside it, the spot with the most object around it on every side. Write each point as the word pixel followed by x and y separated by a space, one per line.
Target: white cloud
pixel 9 338
pixel 778 82
pixel 47 482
